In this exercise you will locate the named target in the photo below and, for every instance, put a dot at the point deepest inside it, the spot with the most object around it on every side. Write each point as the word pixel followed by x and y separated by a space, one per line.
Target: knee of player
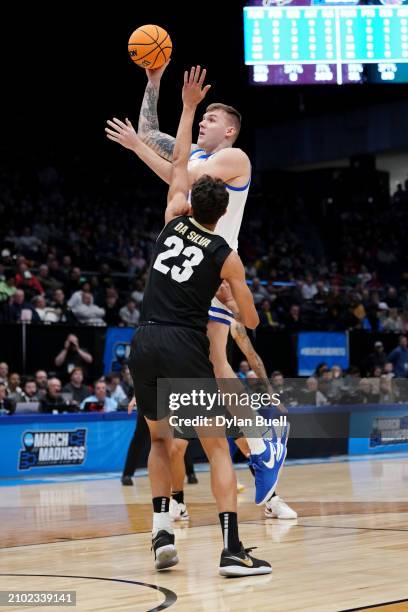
pixel 178 449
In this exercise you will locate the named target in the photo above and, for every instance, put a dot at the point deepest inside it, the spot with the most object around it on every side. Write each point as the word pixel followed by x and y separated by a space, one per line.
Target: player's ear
pixel 231 132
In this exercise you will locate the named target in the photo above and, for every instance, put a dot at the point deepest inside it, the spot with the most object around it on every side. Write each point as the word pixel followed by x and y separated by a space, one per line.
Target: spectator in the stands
pixel 7 406
pixel 60 306
pixel 72 355
pixel 129 314
pixel 294 321
pixel 377 358
pixel 100 395
pixel 392 298
pixel 46 313
pixel 366 394
pixel 399 358
pixel 259 293
pixel 27 281
pixel 126 381
pixel 4 372
pixel 87 312
pixel 115 389
pixel 14 390
pixel 309 288
pixel 48 282
pixel 388 391
pixel 76 387
pixel 279 385
pixel 76 298
pixel 311 395
pixel 7 286
pixel 388 369
pixel 53 399
pixel 138 292
pixel 393 322
pixel 243 369
pixel 112 308
pixel 30 391
pixel 266 317
pixel 41 378
pixel 335 388
pixel 22 311
pixel 75 280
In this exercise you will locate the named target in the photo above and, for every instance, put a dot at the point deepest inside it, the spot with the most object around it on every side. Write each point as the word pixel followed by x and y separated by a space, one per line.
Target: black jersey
pixel 184 274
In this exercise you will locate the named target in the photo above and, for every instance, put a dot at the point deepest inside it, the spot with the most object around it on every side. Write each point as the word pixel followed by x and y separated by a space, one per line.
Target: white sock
pixel 161 520
pixel 257 445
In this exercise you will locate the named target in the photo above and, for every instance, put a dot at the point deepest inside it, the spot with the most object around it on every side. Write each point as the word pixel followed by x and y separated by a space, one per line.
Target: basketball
pixel 150 46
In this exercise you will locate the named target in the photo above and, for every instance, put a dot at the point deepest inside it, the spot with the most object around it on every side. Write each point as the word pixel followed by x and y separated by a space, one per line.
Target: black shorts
pixel 166 352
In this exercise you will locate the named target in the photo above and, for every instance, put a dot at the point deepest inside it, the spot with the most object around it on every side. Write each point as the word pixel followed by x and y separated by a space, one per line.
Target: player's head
pixel 220 124
pixel 209 199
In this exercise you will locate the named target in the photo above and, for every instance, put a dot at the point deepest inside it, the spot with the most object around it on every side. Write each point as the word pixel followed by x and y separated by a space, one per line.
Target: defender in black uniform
pixel 188 264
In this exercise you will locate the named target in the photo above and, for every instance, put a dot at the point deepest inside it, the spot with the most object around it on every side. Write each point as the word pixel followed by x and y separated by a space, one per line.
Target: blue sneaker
pixel 267 466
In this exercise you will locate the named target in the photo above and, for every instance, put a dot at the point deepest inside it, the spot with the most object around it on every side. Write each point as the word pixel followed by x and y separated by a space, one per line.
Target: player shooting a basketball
pixel 213 155
pixel 171 341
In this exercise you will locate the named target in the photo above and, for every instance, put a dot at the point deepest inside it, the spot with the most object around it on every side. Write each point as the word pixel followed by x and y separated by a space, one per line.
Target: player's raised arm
pixel 234 272
pixel 193 93
pixel 148 129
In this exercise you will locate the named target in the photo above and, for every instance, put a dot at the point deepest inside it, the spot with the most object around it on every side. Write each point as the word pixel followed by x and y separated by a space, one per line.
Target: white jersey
pixel 229 225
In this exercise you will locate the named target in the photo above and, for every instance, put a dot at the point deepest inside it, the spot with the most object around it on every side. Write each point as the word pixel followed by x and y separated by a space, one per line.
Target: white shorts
pixel 219 313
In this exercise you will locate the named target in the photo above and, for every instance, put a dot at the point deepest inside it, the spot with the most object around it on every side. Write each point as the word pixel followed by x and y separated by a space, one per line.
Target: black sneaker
pixel 127 481
pixel 165 553
pixel 242 564
pixel 192 478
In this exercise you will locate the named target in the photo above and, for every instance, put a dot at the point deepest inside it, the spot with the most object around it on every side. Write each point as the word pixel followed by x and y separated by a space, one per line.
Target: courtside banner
pixel 315 348
pixel 117 348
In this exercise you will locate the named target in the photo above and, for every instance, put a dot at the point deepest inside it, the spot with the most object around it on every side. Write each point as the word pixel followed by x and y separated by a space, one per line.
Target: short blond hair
pixel 231 111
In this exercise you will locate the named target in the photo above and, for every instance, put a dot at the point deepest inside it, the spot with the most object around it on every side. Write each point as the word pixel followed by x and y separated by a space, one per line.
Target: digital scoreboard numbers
pixel 324 43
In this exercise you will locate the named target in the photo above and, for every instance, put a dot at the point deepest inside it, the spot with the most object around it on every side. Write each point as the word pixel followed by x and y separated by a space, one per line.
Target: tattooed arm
pixel 148 128
pixel 239 334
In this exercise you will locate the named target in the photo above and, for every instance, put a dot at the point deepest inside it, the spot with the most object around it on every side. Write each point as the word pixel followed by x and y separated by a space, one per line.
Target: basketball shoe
pixel 165 553
pixel 267 466
pixel 242 564
pixel 277 508
pixel 178 512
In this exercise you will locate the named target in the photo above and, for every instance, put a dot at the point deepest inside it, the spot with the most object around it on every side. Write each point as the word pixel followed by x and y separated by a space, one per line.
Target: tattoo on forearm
pixel 148 119
pixel 149 125
pixel 258 366
pixel 161 143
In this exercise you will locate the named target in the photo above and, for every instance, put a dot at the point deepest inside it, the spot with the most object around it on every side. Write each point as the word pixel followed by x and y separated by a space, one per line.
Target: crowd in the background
pixel 383 378
pixel 81 256
pixel 48 392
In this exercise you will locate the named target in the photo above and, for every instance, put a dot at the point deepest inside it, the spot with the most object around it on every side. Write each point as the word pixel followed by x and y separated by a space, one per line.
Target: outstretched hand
pixel 194 89
pixel 122 133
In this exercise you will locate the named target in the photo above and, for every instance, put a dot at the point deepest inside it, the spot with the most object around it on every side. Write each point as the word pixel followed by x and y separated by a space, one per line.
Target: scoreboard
pixel 331 44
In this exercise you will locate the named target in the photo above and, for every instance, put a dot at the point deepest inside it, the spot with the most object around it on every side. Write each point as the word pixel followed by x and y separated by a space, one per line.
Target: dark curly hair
pixel 209 199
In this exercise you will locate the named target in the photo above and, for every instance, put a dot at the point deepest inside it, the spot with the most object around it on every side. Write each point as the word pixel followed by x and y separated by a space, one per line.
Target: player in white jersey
pixel 214 155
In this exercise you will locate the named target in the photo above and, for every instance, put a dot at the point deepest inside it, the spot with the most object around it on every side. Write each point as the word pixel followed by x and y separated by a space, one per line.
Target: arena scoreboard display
pixel 323 42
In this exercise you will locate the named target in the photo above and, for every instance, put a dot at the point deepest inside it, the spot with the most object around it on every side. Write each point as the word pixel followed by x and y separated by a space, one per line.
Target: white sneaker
pixel 240 487
pixel 178 512
pixel 277 508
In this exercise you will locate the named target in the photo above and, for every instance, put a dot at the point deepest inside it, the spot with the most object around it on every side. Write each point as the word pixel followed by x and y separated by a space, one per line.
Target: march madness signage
pixel 52 448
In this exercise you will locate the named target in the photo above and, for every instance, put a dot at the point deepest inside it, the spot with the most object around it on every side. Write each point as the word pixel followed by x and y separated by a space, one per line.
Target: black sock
pixel 161 504
pixel 229 528
pixel 178 496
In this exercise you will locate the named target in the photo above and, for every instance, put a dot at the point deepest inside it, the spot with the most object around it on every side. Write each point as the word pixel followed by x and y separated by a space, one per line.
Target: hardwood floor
pixel 348 549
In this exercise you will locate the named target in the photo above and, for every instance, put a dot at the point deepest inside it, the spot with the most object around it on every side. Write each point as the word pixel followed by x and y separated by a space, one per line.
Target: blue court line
pixel 199 467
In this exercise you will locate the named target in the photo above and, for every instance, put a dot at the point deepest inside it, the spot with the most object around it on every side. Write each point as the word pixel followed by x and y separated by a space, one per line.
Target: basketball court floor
pixel 347 550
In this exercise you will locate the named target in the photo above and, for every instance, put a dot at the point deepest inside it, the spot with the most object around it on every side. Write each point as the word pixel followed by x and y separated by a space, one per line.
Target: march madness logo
pixel 50 448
